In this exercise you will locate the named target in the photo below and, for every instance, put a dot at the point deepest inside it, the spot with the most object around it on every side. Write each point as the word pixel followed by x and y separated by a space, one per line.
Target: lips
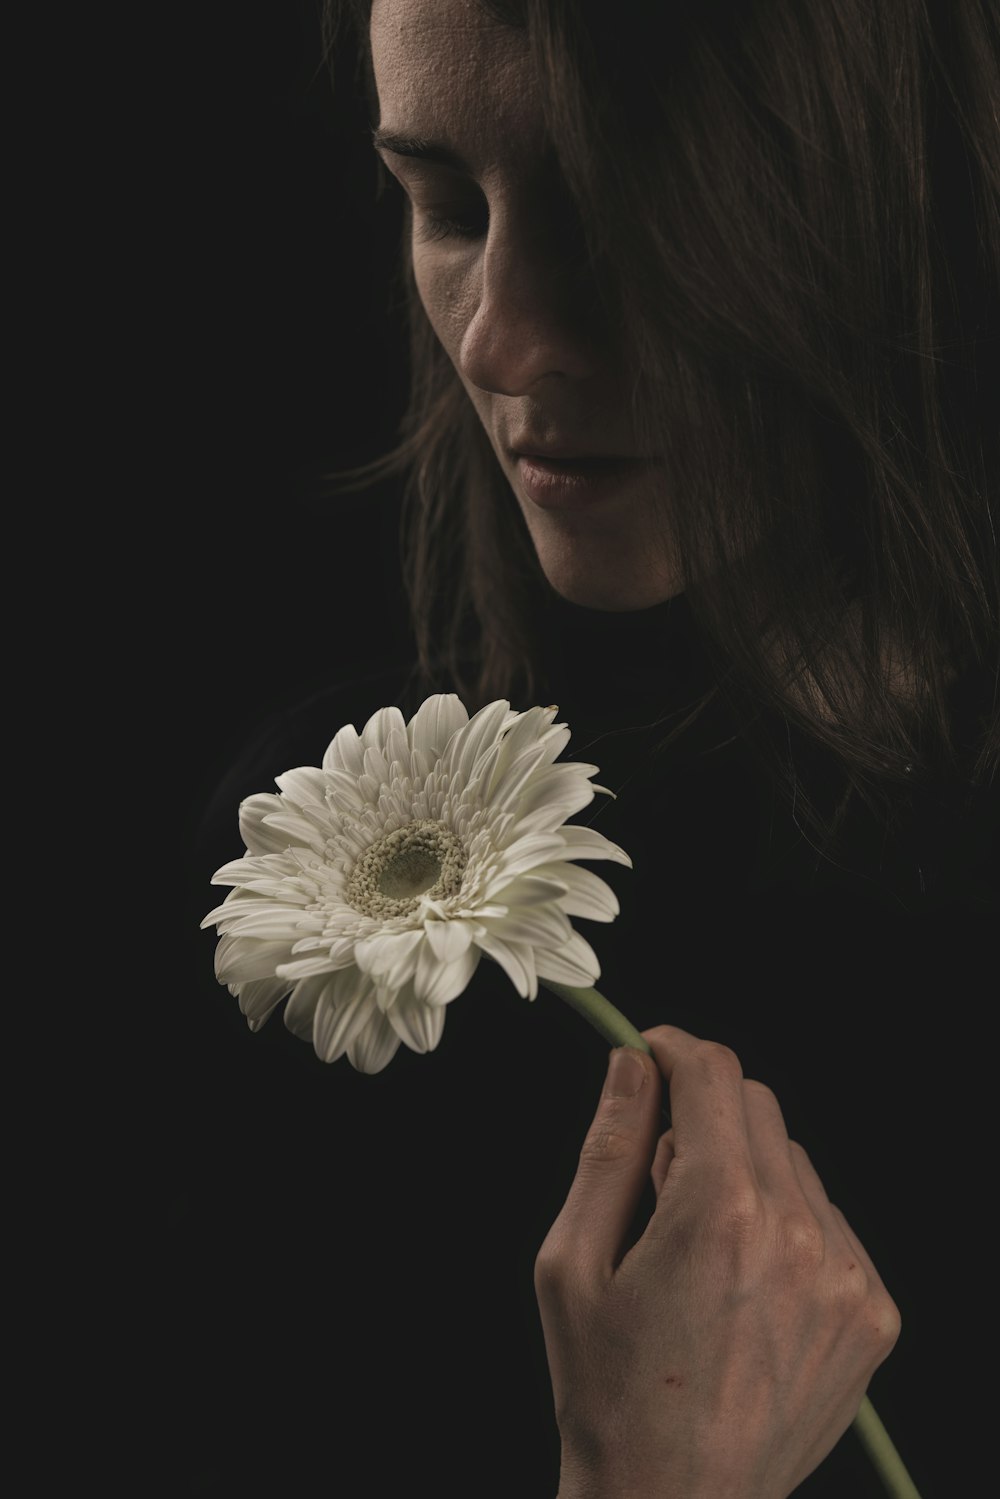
pixel 555 482
pixel 593 461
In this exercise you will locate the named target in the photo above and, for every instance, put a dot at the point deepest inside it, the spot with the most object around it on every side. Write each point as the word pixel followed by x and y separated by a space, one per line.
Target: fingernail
pixel 626 1073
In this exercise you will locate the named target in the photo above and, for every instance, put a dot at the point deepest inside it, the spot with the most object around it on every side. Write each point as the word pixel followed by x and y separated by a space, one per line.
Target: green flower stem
pixel 614 1027
pixel 602 1015
pixel 880 1448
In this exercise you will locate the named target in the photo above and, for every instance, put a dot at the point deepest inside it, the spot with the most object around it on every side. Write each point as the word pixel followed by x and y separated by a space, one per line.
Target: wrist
pixel 614 1479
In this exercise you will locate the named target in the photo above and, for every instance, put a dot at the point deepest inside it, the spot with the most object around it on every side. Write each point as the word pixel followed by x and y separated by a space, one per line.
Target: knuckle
pixel 759 1092
pixel 740 1215
pixel 863 1302
pixel 605 1142
pixel 565 1281
pixel 665 1033
pixel 718 1060
pixel 803 1244
pixel 551 1272
pixel 800 1153
pixel 879 1316
pixel 888 1324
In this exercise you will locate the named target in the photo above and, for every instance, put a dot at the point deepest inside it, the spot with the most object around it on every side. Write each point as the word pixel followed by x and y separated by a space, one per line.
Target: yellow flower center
pixel 423 858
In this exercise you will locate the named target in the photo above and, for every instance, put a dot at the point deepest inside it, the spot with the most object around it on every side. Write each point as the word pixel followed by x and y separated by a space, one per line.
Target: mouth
pixel 586 462
pixel 552 482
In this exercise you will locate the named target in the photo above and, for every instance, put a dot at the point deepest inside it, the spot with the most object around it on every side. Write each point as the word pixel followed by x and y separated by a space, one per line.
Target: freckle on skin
pixel 673 1379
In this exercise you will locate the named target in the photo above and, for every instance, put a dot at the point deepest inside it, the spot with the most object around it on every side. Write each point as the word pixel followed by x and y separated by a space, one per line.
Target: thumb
pixel 614 1166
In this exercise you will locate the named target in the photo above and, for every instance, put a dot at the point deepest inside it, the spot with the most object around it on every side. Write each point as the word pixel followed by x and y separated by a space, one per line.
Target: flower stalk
pixel 882 1451
pixel 602 1014
pixel 619 1030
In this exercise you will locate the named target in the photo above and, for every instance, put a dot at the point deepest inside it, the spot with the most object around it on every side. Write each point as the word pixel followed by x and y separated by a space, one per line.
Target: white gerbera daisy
pixel 371 886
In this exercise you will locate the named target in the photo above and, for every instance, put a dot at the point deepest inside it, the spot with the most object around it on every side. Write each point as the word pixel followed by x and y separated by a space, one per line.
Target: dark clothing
pixel 352 1256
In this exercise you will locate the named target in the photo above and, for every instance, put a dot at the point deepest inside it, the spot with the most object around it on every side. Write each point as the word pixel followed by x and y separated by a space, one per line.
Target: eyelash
pixel 443 226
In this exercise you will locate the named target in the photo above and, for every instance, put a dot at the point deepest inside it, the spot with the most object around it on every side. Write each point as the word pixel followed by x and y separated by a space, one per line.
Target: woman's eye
pixel 460 224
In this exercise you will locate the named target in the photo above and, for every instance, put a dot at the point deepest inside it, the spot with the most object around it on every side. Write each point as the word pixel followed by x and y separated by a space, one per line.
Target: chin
pixel 594 579
pixel 599 569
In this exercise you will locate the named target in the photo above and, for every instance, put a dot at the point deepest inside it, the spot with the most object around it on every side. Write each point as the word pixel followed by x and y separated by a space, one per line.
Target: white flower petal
pixel 526 854
pixel 277 923
pixel 345 752
pixel 418 1026
pixel 285 890
pixel 259 998
pixel 574 964
pixel 376 730
pixel 307 967
pixel 238 959
pixel 448 939
pixel 523 733
pixel 237 872
pixel 342 792
pixel 537 889
pixel 397 752
pixel 258 838
pixel 375 1045
pixel 586 894
pixel 301 1007
pixel 369 786
pixel 437 983
pixel 376 769
pixel 435 721
pixel 302 786
pixel 538 926
pixel 297 829
pixel 387 953
pixel 510 956
pixel 585 843
pixel 554 795
pixel 505 791
pixel 339 950
pixel 476 739
pixel 346 1003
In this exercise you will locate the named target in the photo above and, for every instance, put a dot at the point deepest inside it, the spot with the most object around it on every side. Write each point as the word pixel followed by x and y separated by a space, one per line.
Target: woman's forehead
pixel 447 71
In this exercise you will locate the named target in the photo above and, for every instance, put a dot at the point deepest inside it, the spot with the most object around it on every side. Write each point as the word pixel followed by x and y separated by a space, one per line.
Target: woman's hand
pixel 726 1352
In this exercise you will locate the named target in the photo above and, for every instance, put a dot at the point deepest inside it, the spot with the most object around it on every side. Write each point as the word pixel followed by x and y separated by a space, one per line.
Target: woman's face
pixel 501 281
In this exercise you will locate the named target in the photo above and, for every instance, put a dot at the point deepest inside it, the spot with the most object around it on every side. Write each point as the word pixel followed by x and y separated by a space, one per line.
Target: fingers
pixel 661 1160
pixel 587 1240
pixel 706 1102
pixel 828 1214
pixel 730 1140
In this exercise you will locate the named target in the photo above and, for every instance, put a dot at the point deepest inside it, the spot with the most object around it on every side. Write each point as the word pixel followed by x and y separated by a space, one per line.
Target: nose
pixel 534 318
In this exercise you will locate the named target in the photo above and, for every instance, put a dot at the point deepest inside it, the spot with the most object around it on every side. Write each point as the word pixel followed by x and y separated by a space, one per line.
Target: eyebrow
pixel 424 150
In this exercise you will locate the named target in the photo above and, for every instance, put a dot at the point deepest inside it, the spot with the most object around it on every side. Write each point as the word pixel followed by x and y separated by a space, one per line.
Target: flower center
pixel 423 858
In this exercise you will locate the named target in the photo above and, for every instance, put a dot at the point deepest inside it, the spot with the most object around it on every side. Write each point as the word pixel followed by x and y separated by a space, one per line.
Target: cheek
pixel 447 292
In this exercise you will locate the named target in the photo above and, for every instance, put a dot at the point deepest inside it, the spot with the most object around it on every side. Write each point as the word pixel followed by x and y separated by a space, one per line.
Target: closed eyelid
pixel 417 150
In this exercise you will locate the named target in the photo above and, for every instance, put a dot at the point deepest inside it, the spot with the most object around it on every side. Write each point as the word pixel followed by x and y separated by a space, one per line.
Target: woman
pixel 703 349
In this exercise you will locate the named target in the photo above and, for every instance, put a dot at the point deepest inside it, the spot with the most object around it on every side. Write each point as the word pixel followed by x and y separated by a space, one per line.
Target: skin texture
pixel 729 1348
pixel 509 304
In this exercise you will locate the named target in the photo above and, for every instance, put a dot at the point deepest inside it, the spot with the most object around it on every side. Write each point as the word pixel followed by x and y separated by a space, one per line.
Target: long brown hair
pixel 801 204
